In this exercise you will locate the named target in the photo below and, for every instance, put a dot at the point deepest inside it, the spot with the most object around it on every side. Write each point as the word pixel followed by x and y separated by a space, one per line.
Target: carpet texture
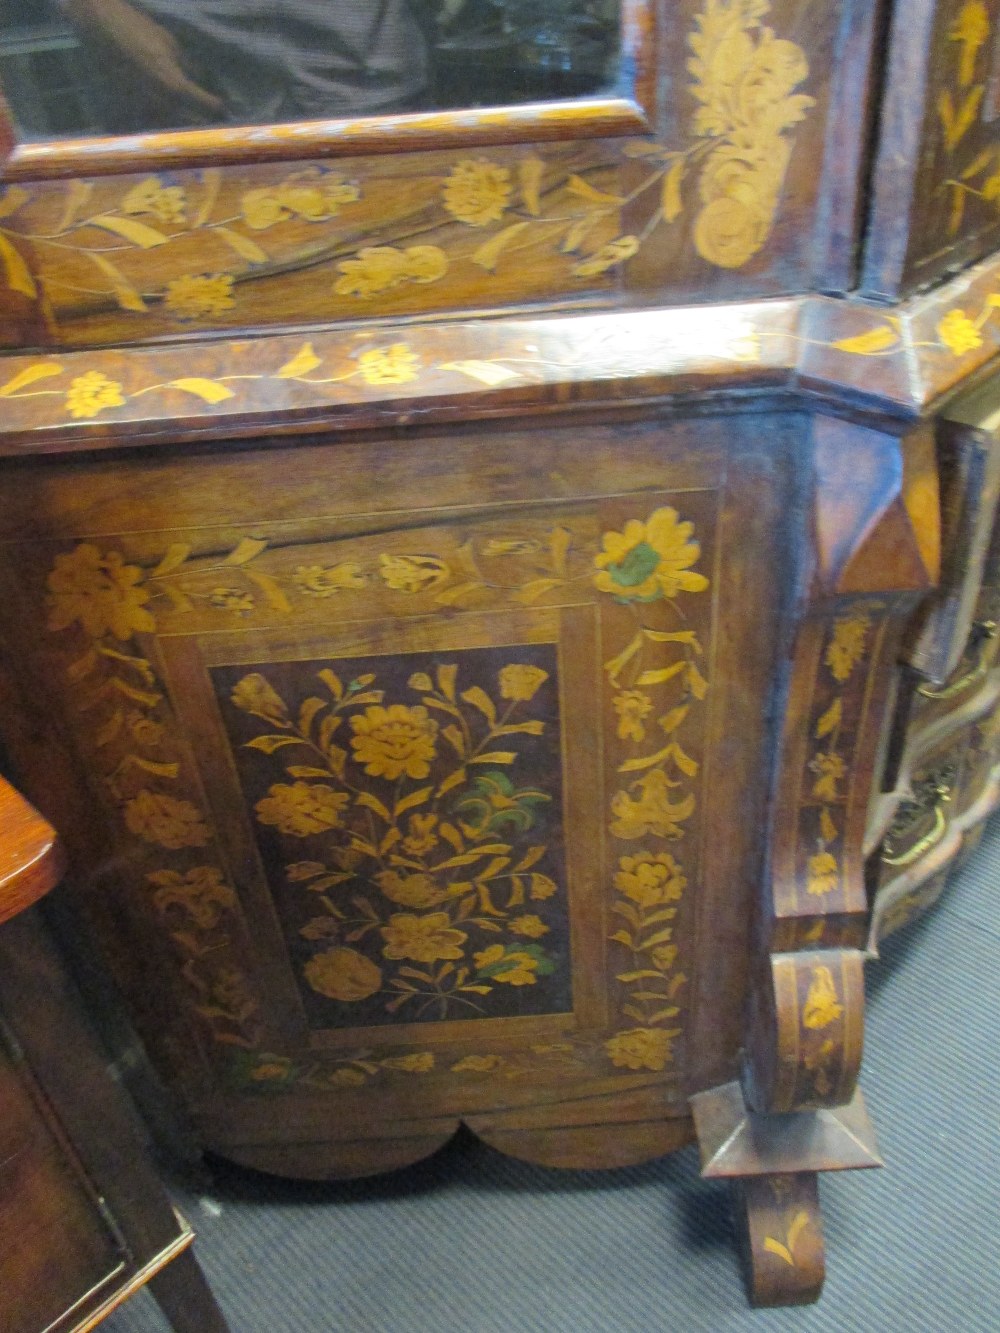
pixel 472 1242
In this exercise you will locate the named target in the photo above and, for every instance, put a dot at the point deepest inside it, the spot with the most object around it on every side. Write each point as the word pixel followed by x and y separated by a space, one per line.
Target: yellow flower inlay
pixel 394 741
pixel 651 811
pixel 829 769
pixel 308 195
pixel 650 560
pixel 198 296
pixel 728 232
pixel 519 682
pixel 343 974
pixel 745 81
pixel 166 821
pixel 200 892
pixel 347 1078
pixel 388 365
pixel 421 1062
pixel 847 646
pixel 413 573
pixel 254 695
pixel 164 202
pixel 91 393
pixel 530 925
pixel 822 1006
pixel 425 263
pixel 971 30
pixel 425 939
pixel 144 730
pixel 664 956
pixel 824 874
pixel 101 592
pixel 410 890
pixel 262 209
pixel 477 1064
pixel 422 837
pixel 324 581
pixel 515 968
pixel 302 808
pixel 641 1048
pixel 377 268
pixel 477 191
pixel 958 333
pixel 317 202
pixel 650 880
pixel 273 1070
pixel 615 252
pixel 632 706
pixel 230 599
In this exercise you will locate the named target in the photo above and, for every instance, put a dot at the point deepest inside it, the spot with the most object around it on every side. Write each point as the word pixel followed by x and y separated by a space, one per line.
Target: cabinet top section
pixel 936 172
pixel 716 157
pixel 502 157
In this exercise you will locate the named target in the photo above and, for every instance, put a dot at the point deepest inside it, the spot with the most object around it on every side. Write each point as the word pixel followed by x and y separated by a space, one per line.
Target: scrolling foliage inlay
pixel 182 249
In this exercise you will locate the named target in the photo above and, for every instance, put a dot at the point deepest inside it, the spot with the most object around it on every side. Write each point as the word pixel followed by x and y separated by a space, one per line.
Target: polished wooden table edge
pixel 142 1277
pixel 895 362
pixel 32 861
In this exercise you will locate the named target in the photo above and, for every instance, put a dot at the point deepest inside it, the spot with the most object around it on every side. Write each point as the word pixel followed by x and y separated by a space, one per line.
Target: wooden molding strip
pixel 889 361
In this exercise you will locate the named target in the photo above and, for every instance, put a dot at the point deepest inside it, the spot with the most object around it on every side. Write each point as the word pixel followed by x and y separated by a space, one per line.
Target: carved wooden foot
pixel 781 1237
pixel 772 1162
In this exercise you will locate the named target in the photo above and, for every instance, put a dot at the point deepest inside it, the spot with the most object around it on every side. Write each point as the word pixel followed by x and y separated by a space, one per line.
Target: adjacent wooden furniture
pixel 83 1219
pixel 468 591
pixel 945 763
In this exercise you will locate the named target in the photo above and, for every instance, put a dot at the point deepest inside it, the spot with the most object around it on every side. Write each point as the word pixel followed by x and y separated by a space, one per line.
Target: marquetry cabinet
pixel 501 602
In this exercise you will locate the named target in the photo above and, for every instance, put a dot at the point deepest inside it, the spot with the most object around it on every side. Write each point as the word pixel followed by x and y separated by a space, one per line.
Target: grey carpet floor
pixel 471 1242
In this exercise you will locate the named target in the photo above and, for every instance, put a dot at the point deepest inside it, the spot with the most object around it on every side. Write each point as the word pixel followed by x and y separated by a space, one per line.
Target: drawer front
pixel 922 820
pixel 934 702
pixel 399 760
pixel 952 774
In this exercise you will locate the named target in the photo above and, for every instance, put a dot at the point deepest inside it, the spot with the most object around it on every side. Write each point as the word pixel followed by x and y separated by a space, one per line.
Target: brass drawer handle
pixel 986 631
pixel 929 840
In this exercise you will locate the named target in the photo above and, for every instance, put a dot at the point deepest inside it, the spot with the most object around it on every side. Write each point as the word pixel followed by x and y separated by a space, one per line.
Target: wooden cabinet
pixel 467 581
pixel 945 779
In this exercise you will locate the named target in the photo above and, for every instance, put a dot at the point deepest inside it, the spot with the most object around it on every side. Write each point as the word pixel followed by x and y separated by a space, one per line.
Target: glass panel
pixel 120 66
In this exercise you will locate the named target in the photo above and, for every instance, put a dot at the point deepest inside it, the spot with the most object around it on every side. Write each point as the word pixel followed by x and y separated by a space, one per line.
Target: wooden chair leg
pixel 185 1298
pixel 781 1237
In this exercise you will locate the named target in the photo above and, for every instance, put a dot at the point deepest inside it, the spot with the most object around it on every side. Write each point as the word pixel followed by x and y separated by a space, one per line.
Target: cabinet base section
pixel 570 1147
pixel 773 1162
pixel 781 1238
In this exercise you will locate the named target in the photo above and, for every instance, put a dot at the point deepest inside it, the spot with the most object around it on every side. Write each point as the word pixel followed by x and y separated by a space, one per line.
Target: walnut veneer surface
pixel 502 623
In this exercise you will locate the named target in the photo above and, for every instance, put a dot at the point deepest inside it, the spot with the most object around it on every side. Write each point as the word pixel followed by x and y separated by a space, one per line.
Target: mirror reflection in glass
pixel 122 66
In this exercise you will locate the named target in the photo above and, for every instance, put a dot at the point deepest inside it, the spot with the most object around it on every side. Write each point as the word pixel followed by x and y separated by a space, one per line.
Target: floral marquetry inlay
pixel 833 739
pixel 176 249
pixel 650 564
pixel 407 811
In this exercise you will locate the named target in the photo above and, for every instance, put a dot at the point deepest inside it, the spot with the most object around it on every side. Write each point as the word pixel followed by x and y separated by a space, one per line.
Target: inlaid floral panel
pixel 430 779
pixel 408 811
